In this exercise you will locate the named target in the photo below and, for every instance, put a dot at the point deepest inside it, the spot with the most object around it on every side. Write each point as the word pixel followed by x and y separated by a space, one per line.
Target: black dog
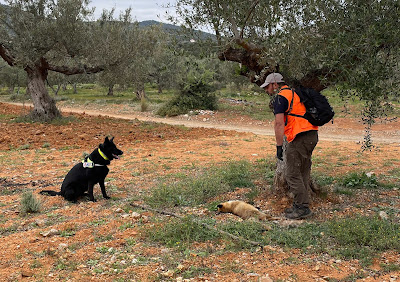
pixel 83 176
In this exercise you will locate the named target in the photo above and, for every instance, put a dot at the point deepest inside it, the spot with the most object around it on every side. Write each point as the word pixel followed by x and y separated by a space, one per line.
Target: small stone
pixel 135 215
pixel 62 246
pixel 26 273
pixel 40 222
pixel 119 210
pixel 49 233
pixel 265 278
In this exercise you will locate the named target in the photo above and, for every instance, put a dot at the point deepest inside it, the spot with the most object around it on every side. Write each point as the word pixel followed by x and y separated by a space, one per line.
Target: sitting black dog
pixel 83 176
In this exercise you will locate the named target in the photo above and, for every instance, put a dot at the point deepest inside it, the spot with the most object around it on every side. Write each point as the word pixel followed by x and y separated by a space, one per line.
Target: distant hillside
pixel 174 28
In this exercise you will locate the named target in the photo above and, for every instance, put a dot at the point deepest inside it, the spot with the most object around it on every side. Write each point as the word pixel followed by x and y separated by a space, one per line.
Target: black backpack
pixel 318 109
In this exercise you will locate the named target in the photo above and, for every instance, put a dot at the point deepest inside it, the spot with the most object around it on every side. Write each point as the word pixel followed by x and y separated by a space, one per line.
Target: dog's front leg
pixel 103 189
pixel 90 191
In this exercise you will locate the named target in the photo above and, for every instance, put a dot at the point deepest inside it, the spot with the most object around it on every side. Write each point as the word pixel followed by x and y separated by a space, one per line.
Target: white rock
pixel 49 233
pixel 136 215
pixel 383 215
pixel 62 246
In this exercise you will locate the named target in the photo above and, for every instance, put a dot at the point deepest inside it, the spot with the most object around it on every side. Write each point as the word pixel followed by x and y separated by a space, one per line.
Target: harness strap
pixel 89 163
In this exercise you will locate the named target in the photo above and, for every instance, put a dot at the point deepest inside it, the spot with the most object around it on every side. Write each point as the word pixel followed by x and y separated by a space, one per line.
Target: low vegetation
pixel 360 237
pixel 30 203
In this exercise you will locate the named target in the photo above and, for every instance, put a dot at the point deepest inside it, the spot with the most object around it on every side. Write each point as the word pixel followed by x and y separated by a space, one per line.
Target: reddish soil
pixel 101 241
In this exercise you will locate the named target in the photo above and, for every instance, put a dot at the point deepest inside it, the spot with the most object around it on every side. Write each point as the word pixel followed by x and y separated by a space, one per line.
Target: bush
pixel 29 203
pixel 196 95
pixel 358 181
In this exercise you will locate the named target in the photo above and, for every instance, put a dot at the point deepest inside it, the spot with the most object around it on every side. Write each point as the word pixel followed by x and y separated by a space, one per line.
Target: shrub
pixel 358 181
pixel 194 95
pixel 29 203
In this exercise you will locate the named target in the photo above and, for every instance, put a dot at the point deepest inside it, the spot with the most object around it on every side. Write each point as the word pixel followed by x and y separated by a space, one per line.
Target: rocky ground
pixel 101 241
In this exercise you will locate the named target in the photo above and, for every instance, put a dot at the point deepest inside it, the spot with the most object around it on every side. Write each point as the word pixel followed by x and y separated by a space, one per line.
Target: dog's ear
pixel 112 139
pixel 106 140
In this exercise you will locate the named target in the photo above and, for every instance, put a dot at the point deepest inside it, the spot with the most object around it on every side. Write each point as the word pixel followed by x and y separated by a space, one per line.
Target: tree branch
pixel 4 53
pixel 255 3
pixel 75 70
pixel 235 29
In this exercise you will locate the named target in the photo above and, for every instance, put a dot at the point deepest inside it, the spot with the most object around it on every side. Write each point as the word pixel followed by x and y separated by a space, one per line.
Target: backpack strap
pixel 291 105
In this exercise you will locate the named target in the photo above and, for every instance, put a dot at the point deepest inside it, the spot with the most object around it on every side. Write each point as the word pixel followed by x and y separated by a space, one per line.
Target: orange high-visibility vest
pixel 295 125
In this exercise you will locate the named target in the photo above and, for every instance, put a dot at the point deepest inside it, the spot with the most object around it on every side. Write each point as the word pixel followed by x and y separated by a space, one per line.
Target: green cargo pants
pixel 298 165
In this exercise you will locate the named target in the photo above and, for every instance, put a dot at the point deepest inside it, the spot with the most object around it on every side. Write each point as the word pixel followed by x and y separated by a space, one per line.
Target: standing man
pixel 302 137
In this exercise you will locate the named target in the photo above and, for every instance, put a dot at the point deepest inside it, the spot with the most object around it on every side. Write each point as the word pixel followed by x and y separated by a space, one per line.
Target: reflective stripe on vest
pixel 295 125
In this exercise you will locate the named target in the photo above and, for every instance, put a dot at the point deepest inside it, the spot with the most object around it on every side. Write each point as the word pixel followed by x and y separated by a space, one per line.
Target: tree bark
pixel 249 56
pixel 281 186
pixel 140 94
pixel 44 107
pixel 110 90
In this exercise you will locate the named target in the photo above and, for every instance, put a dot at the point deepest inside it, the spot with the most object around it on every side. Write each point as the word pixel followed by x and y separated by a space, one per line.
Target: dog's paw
pixel 93 200
pixel 106 197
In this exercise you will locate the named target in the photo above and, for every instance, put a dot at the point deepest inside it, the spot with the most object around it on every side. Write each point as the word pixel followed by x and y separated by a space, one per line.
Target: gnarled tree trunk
pixel 110 90
pixel 44 106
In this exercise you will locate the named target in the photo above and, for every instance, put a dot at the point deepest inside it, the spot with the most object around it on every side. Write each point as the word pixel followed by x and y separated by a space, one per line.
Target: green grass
pixel 254 102
pixel 361 238
pixel 199 188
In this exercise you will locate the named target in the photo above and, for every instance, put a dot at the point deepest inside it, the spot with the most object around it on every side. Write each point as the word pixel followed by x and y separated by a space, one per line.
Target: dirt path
pixel 341 130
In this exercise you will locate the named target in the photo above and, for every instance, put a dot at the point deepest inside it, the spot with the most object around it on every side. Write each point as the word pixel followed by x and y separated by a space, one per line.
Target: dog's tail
pixel 49 193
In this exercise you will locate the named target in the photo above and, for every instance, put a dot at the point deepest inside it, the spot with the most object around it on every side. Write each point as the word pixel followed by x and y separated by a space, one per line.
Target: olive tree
pixel 129 49
pixel 43 36
pixel 317 43
pixel 61 36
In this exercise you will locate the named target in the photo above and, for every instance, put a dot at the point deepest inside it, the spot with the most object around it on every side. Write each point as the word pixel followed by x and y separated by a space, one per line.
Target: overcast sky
pixel 141 9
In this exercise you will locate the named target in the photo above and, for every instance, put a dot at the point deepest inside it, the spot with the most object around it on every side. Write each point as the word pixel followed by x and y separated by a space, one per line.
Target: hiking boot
pixel 297 212
pixel 291 209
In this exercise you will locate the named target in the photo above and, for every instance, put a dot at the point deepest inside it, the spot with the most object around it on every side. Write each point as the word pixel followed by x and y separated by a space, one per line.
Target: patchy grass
pixel 201 187
pixel 362 238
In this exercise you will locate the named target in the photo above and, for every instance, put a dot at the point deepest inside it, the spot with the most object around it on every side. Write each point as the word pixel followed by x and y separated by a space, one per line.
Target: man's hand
pixel 279 152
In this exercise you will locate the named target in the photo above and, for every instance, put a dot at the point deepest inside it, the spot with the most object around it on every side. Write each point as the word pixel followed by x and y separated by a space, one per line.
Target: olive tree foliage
pixel 354 43
pixel 11 78
pixel 163 63
pixel 129 49
pixel 60 36
pixel 41 36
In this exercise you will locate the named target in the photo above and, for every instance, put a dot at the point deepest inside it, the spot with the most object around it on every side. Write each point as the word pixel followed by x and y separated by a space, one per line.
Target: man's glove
pixel 279 152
